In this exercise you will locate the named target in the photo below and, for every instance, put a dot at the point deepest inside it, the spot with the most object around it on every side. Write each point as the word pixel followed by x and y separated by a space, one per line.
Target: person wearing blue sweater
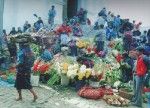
pixel 47 54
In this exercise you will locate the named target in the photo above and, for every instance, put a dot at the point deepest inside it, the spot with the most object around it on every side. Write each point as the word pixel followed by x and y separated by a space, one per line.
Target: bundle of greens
pixel 55 78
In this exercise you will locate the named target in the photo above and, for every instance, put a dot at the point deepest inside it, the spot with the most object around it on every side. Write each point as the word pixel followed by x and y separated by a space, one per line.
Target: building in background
pixel 1 17
pixel 16 12
pixel 133 9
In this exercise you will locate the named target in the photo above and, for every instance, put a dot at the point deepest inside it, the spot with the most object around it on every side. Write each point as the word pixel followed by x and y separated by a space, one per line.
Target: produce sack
pixel 107 91
pixel 90 93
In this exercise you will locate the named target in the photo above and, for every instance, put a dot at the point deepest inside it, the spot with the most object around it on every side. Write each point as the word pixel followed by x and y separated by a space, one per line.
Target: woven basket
pixel 123 93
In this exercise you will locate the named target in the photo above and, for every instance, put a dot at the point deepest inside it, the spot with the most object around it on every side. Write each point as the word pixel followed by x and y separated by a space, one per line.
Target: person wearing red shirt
pixel 140 72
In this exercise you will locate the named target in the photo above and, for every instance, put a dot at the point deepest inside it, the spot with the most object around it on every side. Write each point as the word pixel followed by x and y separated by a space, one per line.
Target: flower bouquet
pixel 67 70
pixel 40 67
pixel 83 75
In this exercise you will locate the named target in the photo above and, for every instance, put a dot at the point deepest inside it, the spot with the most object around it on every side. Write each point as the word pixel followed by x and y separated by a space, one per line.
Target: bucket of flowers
pixel 82 76
pixel 67 69
pixel 39 67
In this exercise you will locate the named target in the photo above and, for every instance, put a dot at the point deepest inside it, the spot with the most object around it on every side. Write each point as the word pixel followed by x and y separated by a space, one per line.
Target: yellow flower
pixel 88 74
pixel 80 78
pixel 65 66
pixel 81 75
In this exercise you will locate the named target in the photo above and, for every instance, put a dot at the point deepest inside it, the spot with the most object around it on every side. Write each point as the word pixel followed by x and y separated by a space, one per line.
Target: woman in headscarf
pixel 24 63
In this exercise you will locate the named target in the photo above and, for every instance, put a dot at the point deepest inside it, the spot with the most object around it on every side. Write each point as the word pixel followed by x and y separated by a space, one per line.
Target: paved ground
pixel 49 98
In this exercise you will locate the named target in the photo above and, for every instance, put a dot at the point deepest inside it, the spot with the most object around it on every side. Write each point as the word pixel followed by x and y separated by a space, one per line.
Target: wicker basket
pixel 123 93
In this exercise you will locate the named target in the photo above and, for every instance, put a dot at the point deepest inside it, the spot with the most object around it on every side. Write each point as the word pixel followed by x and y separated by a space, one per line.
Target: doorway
pixel 72 8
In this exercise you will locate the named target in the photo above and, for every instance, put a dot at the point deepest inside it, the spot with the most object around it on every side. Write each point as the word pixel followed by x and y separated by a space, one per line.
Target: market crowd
pixel 133 57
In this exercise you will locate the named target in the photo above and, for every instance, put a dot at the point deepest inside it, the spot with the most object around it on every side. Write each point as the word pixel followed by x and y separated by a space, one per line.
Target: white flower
pixel 116 84
pixel 70 67
pixel 72 73
pixel 76 66
pixel 83 69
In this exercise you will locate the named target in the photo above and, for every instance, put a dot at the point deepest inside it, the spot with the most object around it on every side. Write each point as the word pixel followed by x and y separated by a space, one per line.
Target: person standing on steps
pixel 51 15
pixel 25 60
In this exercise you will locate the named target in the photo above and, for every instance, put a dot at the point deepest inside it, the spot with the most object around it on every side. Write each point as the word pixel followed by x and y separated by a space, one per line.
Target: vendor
pixel 19 30
pixel 26 26
pixel 127 40
pixel 56 46
pixel 126 68
pixel 140 72
pixel 13 31
pixel 47 54
pixel 73 48
pixel 12 48
pixel 63 31
pixel 77 31
pixel 38 24
pixel 100 39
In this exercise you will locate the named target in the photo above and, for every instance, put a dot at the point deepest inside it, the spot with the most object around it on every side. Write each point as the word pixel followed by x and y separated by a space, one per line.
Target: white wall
pixel 138 10
pixel 1 16
pixel 16 12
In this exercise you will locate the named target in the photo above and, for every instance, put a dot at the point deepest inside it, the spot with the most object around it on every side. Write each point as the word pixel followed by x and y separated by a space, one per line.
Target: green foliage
pixel 126 87
pixel 36 49
pixel 119 47
pixel 113 76
pixel 55 78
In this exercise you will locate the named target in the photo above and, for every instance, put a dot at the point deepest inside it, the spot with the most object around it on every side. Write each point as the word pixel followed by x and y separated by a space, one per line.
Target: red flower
pixel 119 58
pixel 64 28
pixel 35 67
pixel 43 68
pixel 89 50
pixel 94 49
